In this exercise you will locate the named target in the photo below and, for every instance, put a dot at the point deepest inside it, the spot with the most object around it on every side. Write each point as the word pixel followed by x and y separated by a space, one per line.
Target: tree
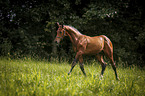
pixel 28 27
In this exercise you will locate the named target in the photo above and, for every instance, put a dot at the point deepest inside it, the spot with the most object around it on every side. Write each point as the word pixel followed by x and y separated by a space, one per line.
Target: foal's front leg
pixel 81 64
pixel 74 62
pixel 78 56
pixel 72 66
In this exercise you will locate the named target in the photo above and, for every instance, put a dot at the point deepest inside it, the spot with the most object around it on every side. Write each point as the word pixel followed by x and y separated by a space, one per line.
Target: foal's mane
pixel 74 29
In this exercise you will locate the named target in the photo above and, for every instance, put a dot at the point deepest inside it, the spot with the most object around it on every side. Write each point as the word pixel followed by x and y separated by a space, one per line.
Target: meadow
pixel 29 77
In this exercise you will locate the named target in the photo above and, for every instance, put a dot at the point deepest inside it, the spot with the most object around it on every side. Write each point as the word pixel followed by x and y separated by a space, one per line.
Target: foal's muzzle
pixel 57 41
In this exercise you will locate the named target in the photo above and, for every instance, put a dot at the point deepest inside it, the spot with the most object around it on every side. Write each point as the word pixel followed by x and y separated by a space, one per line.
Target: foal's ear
pixel 58 24
pixel 61 24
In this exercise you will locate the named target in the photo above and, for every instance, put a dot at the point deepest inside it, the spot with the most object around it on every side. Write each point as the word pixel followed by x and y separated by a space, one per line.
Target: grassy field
pixel 29 77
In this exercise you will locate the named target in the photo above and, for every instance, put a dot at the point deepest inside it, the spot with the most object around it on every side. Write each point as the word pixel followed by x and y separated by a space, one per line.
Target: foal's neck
pixel 73 34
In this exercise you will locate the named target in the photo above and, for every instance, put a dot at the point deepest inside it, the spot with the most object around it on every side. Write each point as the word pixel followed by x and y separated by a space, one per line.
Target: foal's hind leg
pixel 100 59
pixel 109 53
pixel 113 66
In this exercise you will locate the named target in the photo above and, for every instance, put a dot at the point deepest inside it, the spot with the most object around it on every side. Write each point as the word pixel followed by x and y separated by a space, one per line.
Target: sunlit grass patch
pixel 41 78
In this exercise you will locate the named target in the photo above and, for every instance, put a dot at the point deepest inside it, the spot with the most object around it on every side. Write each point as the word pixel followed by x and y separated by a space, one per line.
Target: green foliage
pixel 5 47
pixel 100 10
pixel 28 27
pixel 31 77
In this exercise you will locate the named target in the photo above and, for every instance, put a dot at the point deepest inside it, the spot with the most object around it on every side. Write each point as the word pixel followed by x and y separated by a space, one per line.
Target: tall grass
pixel 29 77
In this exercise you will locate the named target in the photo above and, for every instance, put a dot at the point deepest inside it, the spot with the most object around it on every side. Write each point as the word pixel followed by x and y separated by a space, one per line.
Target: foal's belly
pixel 93 51
pixel 94 46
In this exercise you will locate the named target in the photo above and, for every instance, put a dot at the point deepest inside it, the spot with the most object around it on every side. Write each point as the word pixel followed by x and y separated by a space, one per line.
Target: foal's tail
pixel 108 46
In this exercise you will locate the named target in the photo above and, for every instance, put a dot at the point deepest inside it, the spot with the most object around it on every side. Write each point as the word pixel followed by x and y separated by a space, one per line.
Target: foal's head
pixel 60 33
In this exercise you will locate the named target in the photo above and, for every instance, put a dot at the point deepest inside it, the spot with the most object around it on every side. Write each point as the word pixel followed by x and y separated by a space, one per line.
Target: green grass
pixel 29 77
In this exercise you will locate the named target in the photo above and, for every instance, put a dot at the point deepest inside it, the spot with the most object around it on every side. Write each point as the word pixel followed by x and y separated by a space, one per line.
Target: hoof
pixel 101 77
pixel 68 73
pixel 85 75
pixel 117 79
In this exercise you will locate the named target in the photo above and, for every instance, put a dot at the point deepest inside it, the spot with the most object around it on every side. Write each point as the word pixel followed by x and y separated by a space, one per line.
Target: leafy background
pixel 28 27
